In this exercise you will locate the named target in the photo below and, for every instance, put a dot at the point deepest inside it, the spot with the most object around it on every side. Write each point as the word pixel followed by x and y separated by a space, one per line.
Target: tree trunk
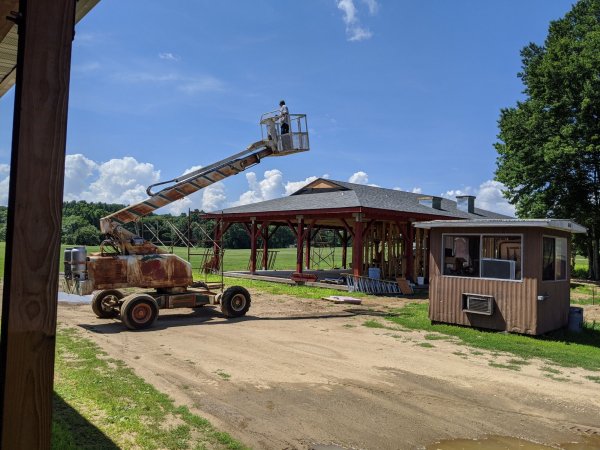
pixel 595 261
pixel 590 258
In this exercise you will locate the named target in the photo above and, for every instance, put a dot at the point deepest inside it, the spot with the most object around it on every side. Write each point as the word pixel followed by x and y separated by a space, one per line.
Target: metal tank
pixel 78 262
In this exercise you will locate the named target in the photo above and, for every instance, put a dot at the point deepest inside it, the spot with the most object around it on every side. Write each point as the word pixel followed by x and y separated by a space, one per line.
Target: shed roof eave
pixel 555 224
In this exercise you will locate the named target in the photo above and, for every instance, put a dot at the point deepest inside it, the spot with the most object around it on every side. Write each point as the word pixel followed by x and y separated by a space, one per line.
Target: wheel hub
pixel 141 313
pixel 238 302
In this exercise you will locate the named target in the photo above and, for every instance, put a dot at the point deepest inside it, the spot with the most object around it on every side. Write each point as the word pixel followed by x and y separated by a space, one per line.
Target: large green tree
pixel 549 143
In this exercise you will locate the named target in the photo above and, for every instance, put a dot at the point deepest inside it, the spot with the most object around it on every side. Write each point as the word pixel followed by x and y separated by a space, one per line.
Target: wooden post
pixel 426 258
pixel 410 263
pixel 299 244
pixel 34 223
pixel 309 238
pixel 418 254
pixel 344 248
pixel 217 245
pixel 357 247
pixel 265 242
pixel 253 246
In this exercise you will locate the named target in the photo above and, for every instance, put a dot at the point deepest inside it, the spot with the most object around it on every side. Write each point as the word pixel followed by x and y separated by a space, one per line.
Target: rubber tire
pixel 97 300
pixel 232 304
pixel 139 303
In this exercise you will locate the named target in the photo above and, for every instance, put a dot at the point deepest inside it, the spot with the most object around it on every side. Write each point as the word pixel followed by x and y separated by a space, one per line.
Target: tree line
pixel 81 220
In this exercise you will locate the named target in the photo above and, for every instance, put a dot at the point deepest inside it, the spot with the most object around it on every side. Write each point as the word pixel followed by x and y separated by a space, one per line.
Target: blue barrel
pixel 375 272
pixel 575 319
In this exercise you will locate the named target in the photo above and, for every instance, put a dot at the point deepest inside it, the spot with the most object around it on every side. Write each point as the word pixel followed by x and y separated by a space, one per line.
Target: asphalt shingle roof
pixel 352 195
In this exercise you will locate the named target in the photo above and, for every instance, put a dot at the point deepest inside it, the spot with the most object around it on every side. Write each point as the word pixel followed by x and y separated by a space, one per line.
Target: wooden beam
pixel 410 263
pixel 253 238
pixel 265 242
pixel 344 249
pixel 299 244
pixel 34 223
pixel 347 227
pixel 357 248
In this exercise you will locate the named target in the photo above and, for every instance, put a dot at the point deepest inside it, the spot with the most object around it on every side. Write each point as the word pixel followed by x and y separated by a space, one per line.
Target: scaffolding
pixel 206 253
pixel 322 255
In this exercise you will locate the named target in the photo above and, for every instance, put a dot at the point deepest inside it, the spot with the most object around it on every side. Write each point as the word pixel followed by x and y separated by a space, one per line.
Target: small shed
pixel 501 274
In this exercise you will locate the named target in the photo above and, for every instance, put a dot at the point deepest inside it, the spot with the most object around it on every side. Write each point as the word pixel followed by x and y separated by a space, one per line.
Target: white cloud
pixel 372 5
pixel 489 197
pixel 271 186
pixel 211 198
pixel 354 30
pixel 78 173
pixel 415 190
pixel 214 197
pixel 168 56
pixel 349 10
pixel 454 192
pixel 293 186
pixel 121 180
pixel 359 177
pixel 359 34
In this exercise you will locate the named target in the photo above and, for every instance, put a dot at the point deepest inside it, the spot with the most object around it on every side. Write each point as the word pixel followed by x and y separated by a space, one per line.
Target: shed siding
pixel 516 303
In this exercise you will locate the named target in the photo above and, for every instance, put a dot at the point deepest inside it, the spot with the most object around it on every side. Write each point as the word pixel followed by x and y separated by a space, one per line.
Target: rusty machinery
pixel 126 260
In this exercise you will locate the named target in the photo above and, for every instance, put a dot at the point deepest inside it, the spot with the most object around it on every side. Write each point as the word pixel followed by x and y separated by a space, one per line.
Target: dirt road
pixel 306 374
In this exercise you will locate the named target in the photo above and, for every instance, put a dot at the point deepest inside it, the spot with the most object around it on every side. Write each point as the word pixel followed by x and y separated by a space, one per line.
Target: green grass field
pixel 234 259
pixel 99 402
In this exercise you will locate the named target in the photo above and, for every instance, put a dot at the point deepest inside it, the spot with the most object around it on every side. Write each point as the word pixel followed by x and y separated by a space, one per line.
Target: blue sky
pixel 400 94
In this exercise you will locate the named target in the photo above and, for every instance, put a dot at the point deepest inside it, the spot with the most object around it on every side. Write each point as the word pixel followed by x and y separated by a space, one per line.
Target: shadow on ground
pixel 72 431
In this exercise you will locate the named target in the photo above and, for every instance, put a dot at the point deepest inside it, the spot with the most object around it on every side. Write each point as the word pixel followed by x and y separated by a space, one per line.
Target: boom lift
pixel 126 260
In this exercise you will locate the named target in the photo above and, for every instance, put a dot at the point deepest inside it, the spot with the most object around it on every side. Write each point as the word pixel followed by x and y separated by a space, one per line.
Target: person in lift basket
pixel 284 118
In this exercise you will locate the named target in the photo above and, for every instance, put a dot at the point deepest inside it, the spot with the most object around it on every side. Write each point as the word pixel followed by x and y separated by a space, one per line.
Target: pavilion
pixel 378 222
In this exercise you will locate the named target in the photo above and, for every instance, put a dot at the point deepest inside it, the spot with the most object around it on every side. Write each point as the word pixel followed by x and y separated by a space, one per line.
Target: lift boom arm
pixel 185 185
pixel 272 144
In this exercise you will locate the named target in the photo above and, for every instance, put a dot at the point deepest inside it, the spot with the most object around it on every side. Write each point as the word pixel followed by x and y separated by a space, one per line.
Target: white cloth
pixel 284 115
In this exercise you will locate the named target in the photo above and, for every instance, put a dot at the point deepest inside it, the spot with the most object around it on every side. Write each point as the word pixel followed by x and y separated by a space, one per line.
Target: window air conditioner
pixel 478 304
pixel 503 269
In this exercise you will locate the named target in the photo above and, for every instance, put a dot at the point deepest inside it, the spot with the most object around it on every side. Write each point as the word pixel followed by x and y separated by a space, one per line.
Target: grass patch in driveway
pixel 425 345
pixel 505 366
pixel 120 405
pixel 562 348
pixel 373 324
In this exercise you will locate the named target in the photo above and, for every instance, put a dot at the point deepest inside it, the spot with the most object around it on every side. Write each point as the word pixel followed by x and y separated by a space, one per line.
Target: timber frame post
pixel 345 248
pixel 299 243
pixel 410 254
pixel 253 239
pixel 265 244
pixel 34 222
pixel 357 246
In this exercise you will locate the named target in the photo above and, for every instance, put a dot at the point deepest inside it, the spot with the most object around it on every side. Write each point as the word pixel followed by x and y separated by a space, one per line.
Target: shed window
pixel 461 256
pixel 483 256
pixel 554 259
pixel 501 257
